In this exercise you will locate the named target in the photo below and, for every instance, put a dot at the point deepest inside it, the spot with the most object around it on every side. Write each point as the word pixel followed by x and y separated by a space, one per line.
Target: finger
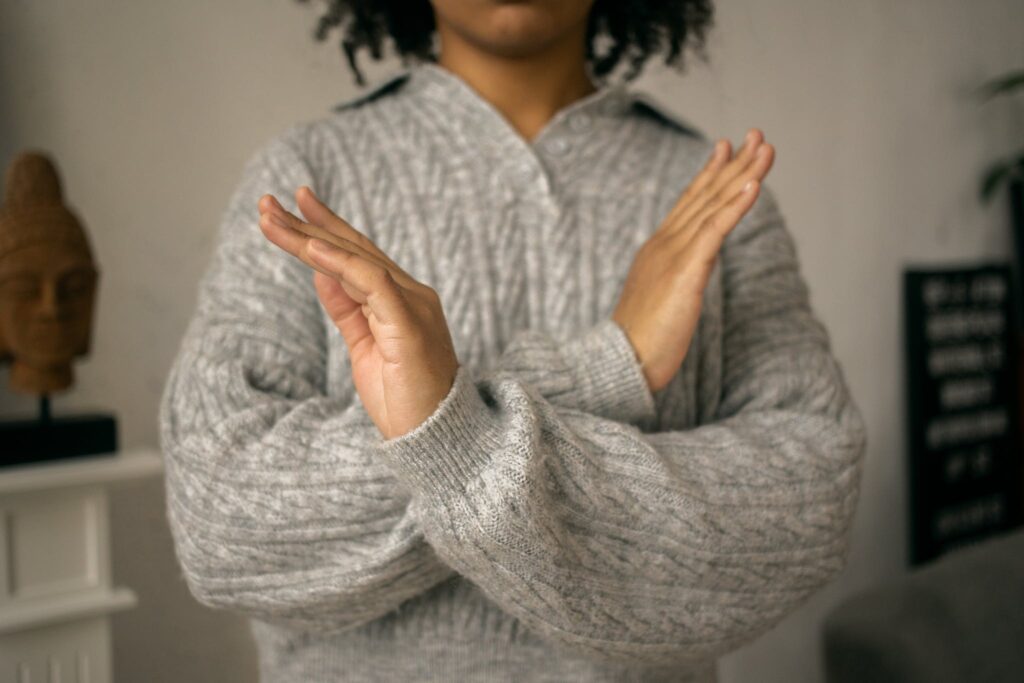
pixel 752 146
pixel 290 240
pixel 284 219
pixel 339 299
pixel 757 171
pixel 703 251
pixel 714 230
pixel 345 311
pixel 270 204
pixel 319 213
pixel 729 172
pixel 296 244
pixel 719 156
pixel 383 294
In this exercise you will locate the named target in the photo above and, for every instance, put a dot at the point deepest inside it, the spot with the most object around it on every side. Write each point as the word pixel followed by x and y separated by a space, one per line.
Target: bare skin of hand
pixel 660 304
pixel 403 360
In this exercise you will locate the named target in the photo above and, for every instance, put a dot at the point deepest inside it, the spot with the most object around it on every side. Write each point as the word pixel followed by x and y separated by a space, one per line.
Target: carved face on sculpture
pixel 47 280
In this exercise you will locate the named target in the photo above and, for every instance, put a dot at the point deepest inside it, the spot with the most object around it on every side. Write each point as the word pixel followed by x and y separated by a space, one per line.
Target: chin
pixel 512 28
pixel 520 35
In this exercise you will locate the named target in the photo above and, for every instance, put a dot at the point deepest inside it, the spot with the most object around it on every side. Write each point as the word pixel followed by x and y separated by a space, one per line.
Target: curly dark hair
pixel 638 29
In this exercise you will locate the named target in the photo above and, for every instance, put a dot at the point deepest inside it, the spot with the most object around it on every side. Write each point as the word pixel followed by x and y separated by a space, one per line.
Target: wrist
pixel 608 374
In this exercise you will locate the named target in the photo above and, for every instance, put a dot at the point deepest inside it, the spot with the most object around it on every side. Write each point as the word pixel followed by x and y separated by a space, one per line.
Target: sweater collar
pixel 527 163
pixel 436 82
pixel 445 87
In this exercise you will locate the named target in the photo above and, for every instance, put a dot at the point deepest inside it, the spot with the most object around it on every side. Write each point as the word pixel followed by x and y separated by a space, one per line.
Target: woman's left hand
pixel 403 360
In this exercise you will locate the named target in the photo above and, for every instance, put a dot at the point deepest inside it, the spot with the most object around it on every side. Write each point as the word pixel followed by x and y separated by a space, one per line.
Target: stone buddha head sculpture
pixel 47 279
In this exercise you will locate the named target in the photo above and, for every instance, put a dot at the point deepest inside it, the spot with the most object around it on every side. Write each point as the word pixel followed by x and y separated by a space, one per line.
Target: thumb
pixel 341 308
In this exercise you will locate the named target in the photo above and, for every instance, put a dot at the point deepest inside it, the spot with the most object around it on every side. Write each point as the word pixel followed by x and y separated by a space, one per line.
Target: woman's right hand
pixel 661 300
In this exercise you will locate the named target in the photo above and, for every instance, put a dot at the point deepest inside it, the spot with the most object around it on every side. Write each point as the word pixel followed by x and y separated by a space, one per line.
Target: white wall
pixel 151 109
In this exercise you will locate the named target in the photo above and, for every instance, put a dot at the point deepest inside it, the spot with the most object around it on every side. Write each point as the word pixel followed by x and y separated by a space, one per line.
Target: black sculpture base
pixel 28 441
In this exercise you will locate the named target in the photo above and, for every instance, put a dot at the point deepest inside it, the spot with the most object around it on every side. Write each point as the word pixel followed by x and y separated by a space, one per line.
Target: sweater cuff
pixel 609 375
pixel 445 451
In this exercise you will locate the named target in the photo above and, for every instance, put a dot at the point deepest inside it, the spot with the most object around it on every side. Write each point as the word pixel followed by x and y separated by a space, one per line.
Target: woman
pixel 524 384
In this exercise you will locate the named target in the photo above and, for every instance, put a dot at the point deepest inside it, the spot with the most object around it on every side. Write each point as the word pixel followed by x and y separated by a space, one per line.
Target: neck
pixel 528 90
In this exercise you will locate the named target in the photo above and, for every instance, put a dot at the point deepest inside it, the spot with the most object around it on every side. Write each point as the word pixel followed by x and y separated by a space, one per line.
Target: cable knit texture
pixel 552 520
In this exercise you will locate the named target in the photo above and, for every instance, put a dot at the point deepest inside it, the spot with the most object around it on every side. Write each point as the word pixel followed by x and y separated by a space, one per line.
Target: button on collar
pixel 557 146
pixel 526 173
pixel 524 170
pixel 579 121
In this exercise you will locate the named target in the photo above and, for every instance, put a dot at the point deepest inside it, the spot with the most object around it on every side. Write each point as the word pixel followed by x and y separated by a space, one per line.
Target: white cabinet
pixel 56 593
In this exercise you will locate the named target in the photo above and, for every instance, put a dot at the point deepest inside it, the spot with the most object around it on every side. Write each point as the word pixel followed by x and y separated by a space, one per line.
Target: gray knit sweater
pixel 552 520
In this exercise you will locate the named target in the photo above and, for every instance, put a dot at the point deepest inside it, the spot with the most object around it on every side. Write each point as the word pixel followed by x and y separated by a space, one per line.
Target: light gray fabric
pixel 959 619
pixel 552 520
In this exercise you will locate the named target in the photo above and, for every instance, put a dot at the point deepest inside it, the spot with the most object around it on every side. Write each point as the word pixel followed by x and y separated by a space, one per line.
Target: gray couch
pixel 959 618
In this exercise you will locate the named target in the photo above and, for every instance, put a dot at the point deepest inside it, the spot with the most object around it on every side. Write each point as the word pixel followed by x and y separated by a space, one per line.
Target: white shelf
pixel 137 463
pixel 42 611
pixel 56 595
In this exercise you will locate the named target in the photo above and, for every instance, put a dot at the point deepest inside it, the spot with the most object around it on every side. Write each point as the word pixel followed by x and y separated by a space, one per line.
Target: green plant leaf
pixel 1002 84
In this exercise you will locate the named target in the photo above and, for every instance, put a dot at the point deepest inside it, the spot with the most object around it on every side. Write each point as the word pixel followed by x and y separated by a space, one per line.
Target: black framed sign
pixel 963 406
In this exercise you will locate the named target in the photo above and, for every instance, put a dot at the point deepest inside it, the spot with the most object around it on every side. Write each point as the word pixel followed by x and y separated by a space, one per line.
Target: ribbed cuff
pixel 446 450
pixel 608 374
